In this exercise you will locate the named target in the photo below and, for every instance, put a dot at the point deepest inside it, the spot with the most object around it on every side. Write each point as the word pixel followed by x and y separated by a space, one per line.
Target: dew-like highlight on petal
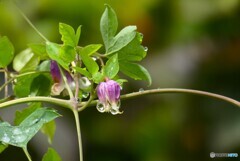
pixel 115 108
pixel 100 107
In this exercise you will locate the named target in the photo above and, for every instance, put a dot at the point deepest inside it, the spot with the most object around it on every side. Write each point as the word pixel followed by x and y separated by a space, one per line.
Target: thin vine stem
pixel 170 90
pixel 77 77
pixel 11 97
pixel 27 154
pixel 56 101
pixel 77 121
pixel 21 75
pixel 5 80
pixel 30 23
pixel 92 96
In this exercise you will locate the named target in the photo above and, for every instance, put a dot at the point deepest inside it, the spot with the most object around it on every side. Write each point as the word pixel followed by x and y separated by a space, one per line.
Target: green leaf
pixel 20 135
pixel 98 77
pixel 51 155
pixel 67 54
pixel 78 33
pixel 22 115
pixel 91 49
pixel 39 50
pixel 82 71
pixel 90 64
pixel 41 86
pixel 49 130
pixel 44 66
pixel 2 147
pixel 6 52
pixel 53 51
pixel 135 71
pixel 68 34
pixel 121 81
pixel 108 26
pixel 134 51
pixel 34 84
pixel 124 37
pixel 25 61
pixel 112 67
pixel 23 85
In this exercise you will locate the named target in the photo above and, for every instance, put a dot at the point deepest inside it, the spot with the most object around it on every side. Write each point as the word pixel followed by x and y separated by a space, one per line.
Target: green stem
pixel 170 90
pixel 30 23
pixel 77 77
pixel 66 83
pixel 5 80
pixel 76 116
pixel 7 99
pixel 56 101
pixel 27 154
pixel 20 75
pixel 87 103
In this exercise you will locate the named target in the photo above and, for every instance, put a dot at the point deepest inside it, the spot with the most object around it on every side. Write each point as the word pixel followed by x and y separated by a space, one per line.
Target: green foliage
pixel 124 37
pixel 69 37
pixel 53 51
pixel 22 85
pixel 127 44
pixel 41 85
pixel 6 52
pixel 123 51
pixel 22 115
pixel 135 71
pixel 112 67
pixel 32 85
pixel 51 155
pixel 82 71
pixel 20 135
pixel 134 51
pixel 3 147
pixel 67 54
pixel 90 64
pixel 49 130
pixel 108 26
pixel 44 66
pixel 39 50
pixel 98 77
pixel 92 48
pixel 25 61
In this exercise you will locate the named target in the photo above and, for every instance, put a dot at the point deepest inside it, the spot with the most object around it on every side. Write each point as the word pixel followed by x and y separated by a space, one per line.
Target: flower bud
pixel 55 72
pixel 59 84
pixel 109 97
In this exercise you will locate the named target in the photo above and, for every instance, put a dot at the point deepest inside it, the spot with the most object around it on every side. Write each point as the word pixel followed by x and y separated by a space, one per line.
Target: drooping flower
pixel 109 97
pixel 59 84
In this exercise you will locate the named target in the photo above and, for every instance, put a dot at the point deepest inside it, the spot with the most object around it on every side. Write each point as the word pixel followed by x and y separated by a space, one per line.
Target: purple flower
pixel 109 97
pixel 55 72
pixel 59 85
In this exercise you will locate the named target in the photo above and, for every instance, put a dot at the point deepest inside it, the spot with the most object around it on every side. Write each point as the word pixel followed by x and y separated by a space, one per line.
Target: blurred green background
pixel 192 44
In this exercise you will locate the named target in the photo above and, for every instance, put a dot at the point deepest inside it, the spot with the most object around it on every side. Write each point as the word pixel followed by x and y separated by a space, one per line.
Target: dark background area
pixel 192 44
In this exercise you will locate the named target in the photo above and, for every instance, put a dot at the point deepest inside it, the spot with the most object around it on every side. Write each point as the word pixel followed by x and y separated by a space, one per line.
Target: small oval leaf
pixel 6 52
